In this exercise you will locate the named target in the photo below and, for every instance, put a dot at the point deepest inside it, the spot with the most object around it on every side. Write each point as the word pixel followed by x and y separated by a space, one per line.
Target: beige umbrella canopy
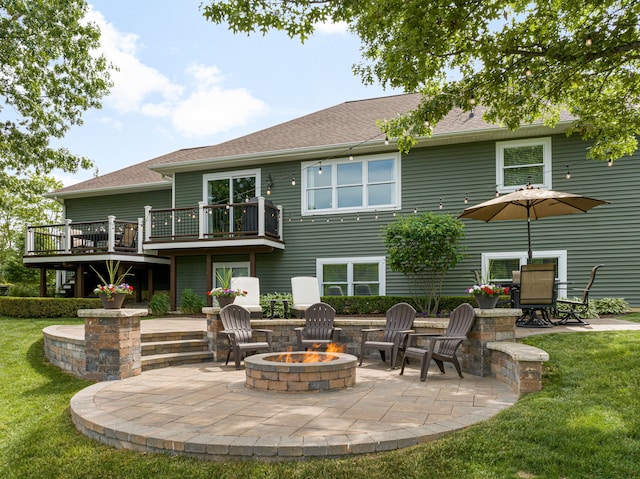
pixel 530 203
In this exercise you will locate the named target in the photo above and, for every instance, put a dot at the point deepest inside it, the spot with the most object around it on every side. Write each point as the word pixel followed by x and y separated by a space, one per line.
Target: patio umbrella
pixel 530 203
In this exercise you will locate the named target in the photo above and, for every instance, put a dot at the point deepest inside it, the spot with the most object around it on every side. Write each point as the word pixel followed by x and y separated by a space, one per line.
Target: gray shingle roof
pixel 351 122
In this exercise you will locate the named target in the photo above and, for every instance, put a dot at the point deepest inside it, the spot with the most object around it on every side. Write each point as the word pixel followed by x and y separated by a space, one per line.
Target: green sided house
pixel 309 198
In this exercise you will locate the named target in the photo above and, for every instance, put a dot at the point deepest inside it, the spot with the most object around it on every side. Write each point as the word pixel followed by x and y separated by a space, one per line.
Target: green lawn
pixel 584 424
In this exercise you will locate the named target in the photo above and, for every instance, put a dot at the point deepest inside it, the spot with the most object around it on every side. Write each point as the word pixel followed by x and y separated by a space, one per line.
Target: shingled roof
pixel 349 123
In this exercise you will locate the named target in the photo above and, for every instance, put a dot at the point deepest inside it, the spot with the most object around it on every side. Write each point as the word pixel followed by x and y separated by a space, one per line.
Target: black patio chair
pixel 569 311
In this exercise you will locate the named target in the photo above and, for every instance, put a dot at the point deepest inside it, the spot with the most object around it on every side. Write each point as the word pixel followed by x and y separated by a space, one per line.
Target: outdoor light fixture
pixel 269 184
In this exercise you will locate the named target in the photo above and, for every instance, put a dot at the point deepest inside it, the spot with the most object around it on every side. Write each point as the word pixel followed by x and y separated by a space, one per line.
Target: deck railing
pixel 257 218
pixel 110 236
pixel 254 218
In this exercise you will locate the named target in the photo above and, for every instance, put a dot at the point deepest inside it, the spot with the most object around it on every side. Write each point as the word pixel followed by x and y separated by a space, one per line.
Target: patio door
pixel 222 191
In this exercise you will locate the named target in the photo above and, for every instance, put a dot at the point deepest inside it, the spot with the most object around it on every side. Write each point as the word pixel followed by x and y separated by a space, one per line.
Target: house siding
pixel 429 176
pixel 128 206
pixel 607 234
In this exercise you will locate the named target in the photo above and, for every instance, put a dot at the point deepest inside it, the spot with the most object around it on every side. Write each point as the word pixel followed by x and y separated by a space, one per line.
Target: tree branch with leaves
pixel 523 61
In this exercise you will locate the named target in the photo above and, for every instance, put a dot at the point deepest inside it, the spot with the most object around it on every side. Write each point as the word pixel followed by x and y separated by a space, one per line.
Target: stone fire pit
pixel 286 372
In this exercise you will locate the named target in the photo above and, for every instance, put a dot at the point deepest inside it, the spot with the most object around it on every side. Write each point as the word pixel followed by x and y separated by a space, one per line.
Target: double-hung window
pixel 343 185
pixel 360 276
pixel 520 162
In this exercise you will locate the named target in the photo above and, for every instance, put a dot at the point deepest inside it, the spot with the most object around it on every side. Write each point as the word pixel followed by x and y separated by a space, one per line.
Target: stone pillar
pixel 498 324
pixel 218 343
pixel 112 343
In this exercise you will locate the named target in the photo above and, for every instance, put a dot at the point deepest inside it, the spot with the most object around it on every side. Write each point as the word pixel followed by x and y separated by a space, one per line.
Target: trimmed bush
pixel 361 305
pixel 45 307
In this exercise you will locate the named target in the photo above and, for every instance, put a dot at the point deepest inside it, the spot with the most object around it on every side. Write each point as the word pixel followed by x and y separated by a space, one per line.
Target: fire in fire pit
pixel 300 371
pixel 314 356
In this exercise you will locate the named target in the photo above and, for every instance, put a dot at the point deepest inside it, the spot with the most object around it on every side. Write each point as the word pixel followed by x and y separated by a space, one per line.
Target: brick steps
pixel 173 348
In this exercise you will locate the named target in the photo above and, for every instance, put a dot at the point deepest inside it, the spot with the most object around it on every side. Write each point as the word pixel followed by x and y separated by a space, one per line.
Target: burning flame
pixel 314 356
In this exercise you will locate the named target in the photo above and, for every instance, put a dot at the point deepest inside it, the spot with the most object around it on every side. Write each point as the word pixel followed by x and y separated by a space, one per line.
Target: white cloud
pixel 203 108
pixel 211 109
pixel 332 28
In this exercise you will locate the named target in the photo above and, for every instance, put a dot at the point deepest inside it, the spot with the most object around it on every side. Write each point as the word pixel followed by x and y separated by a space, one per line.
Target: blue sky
pixel 185 82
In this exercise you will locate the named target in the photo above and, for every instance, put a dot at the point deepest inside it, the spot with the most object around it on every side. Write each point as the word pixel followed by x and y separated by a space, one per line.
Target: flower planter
pixel 487 302
pixel 225 300
pixel 114 302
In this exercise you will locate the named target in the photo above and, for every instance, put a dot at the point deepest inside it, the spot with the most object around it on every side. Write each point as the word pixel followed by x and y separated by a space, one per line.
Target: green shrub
pixel 278 307
pixel 191 302
pixel 610 305
pixel 45 307
pixel 362 305
pixel 160 304
pixel 23 290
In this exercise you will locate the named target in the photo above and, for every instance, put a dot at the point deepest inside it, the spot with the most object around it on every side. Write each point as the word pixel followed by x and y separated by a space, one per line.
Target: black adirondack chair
pixel 399 322
pixel 236 321
pixel 318 330
pixel 441 348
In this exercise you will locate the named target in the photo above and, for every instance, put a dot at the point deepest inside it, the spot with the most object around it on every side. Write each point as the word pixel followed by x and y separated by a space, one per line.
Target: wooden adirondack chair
pixel 236 321
pixel 399 322
pixel 318 329
pixel 442 348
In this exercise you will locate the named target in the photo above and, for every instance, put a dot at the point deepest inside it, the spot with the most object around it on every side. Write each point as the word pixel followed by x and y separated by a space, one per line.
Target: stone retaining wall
pixel 518 365
pixel 64 352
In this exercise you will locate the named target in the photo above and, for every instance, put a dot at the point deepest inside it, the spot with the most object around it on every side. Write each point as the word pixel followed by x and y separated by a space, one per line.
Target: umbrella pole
pixel 529 232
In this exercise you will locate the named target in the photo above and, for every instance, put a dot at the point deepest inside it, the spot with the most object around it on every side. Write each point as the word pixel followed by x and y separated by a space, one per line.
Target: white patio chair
pixel 305 292
pixel 252 300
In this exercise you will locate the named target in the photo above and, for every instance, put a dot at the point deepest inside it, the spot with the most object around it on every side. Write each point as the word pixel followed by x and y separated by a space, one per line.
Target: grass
pixel 584 424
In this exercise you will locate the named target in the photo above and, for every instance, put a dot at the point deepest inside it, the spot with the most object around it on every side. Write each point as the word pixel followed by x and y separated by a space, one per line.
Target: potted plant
pixel 223 293
pixel 487 294
pixel 113 292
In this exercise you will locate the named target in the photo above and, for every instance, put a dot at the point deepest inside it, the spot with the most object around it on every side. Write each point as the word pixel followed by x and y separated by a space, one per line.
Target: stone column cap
pixel 112 313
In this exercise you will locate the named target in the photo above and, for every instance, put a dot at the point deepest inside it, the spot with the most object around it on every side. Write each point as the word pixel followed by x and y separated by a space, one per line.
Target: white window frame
pixel 206 178
pixel 523 256
pixel 230 265
pixel 546 162
pixel 350 261
pixel 396 200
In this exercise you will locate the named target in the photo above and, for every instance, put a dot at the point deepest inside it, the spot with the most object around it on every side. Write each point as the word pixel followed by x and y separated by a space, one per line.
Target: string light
pixel 588 41
pixel 293 180
pixel 415 210
pixel 466 198
pixel 610 163
pixel 568 175
pixel 350 155
pixel 320 169
pixel 440 204
pixel 386 139
pixel 497 193
pixel 528 72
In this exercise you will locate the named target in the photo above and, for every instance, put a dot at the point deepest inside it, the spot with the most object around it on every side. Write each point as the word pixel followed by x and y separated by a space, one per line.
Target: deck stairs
pixel 173 348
